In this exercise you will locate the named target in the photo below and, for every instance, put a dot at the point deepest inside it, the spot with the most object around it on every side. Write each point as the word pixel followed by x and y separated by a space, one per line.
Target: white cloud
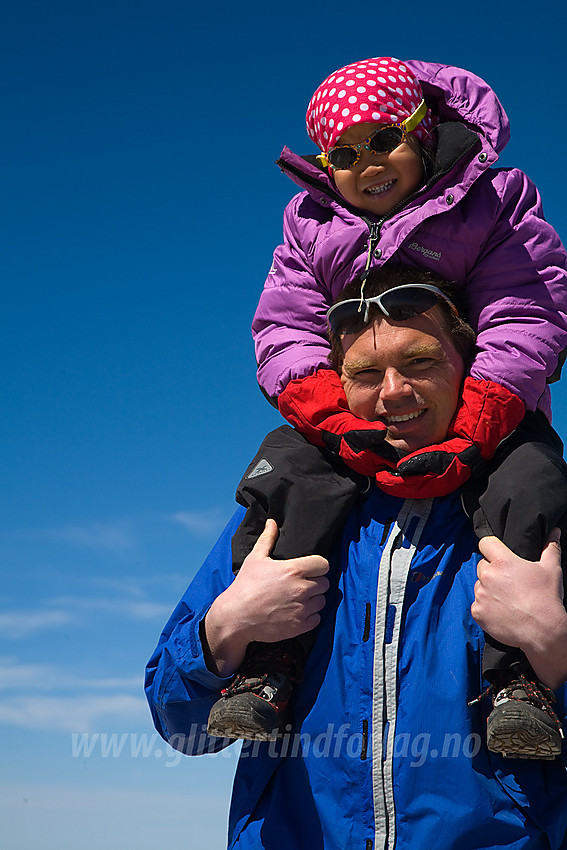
pixel 139 586
pixel 123 534
pixel 115 537
pixel 20 624
pixel 51 698
pixel 111 682
pixel 133 609
pixel 204 522
pixel 147 611
pixel 75 713
pixel 32 677
pixel 129 603
pixel 14 675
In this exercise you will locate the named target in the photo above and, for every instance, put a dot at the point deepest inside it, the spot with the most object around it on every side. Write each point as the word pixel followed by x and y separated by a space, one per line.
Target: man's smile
pixel 407 374
pixel 405 417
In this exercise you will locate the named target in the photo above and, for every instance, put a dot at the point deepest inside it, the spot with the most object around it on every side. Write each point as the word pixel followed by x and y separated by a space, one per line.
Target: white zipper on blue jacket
pixel 394 568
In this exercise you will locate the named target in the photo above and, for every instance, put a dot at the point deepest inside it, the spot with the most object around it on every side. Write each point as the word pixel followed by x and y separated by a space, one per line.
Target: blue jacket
pixel 384 751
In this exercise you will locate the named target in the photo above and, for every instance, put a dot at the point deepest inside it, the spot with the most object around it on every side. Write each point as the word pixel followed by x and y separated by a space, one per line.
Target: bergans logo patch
pixel 262 468
pixel 427 252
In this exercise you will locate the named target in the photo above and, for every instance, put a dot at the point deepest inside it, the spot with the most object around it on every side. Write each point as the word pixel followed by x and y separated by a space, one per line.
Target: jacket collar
pixel 456 145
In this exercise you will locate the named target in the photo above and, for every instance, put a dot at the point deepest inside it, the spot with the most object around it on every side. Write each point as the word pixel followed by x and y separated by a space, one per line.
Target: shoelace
pixel 241 684
pixel 252 675
pixel 538 694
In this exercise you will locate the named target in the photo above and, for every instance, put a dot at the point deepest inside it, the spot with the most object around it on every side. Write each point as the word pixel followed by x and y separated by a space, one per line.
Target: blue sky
pixel 141 208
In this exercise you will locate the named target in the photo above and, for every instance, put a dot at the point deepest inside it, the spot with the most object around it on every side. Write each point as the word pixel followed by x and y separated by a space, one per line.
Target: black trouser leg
pixel 305 489
pixel 521 498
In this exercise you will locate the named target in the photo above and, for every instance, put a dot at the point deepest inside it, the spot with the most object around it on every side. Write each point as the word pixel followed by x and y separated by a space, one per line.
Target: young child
pixel 404 176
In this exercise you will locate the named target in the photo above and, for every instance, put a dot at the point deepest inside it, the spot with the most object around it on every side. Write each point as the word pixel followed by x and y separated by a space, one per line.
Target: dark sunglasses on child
pixel 384 140
pixel 399 303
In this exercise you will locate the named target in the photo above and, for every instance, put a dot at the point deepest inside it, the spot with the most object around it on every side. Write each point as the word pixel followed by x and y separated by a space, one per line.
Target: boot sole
pixel 518 730
pixel 243 716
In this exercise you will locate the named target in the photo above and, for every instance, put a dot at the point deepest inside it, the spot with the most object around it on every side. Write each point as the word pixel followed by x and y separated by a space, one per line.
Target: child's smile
pixel 377 182
pixel 380 188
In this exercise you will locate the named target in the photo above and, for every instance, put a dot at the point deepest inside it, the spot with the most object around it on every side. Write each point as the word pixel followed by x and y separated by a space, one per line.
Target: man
pixel 383 749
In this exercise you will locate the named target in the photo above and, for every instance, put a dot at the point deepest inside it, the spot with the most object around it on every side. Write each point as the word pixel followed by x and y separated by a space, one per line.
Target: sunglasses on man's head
pixel 400 303
pixel 384 140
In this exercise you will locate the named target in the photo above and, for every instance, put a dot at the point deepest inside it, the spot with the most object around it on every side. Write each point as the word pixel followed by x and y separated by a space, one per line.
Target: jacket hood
pixel 453 95
pixel 458 95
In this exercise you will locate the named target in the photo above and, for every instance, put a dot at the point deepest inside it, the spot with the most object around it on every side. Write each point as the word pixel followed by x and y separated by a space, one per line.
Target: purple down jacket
pixel 482 227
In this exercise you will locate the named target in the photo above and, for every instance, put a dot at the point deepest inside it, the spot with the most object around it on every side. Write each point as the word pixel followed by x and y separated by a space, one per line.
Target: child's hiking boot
pixel 255 704
pixel 522 723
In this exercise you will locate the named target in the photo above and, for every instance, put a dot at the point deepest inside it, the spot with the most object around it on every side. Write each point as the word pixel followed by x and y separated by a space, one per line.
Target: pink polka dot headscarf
pixel 381 90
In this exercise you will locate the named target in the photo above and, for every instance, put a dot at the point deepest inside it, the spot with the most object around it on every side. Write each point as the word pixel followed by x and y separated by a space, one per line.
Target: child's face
pixel 377 182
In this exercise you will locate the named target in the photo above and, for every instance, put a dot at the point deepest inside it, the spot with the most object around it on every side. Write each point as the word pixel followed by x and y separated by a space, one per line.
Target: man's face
pixel 406 374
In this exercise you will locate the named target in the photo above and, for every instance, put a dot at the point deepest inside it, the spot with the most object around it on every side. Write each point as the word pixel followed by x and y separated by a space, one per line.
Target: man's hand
pixel 268 601
pixel 519 603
